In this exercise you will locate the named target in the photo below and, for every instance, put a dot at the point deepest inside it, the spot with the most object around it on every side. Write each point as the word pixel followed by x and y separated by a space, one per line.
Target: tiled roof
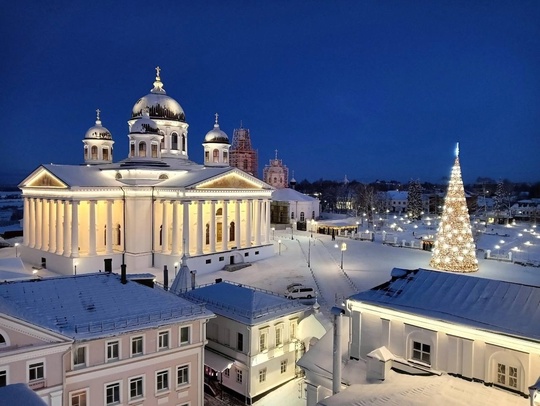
pixel 485 304
pixel 94 305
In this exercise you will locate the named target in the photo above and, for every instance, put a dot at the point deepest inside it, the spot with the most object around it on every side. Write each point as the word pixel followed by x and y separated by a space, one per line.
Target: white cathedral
pixel 150 209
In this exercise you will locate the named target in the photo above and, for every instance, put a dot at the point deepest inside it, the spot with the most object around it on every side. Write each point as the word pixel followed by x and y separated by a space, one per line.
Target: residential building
pixel 100 339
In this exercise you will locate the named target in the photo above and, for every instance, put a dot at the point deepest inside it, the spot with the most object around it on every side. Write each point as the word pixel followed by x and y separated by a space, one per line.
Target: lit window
pixel 154 150
pixel 279 336
pixel 78 398
pixel 163 340
pixel 263 345
pixel 36 371
pixel 162 380
pixel 283 366
pixel 421 352
pixel 215 154
pixel 79 358
pixel 112 394
pixel 142 149
pixel 94 151
pixel 136 346
pixel 507 376
pixel 136 387
pixel 113 349
pixel 262 375
pixel 183 375
pixel 184 335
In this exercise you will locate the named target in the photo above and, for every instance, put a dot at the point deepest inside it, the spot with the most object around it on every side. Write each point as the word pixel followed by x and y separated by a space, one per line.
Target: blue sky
pixel 367 89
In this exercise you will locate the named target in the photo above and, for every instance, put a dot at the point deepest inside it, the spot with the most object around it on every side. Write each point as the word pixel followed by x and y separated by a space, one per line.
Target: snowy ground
pixel 366 264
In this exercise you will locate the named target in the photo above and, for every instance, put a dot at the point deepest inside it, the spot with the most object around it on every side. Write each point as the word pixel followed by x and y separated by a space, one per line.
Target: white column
pixel 67 230
pixel 213 226
pixel 75 228
pixel 39 224
pixel 257 222
pixel 109 234
pixel 92 231
pixel 248 223
pixel 237 224
pixel 175 245
pixel 52 226
pixel 26 222
pixel 199 227
pixel 225 228
pixel 59 228
pixel 44 225
pixel 164 227
pixel 267 203
pixel 155 226
pixel 185 227
pixel 33 222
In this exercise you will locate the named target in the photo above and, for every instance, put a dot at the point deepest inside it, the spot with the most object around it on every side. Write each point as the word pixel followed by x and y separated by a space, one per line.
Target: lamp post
pixel 279 247
pixel 175 268
pixel 16 245
pixel 292 230
pixel 309 254
pixel 343 249
pixel 273 232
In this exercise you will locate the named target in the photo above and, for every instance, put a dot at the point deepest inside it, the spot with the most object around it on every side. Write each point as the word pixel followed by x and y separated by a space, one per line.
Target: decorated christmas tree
pixel 454 248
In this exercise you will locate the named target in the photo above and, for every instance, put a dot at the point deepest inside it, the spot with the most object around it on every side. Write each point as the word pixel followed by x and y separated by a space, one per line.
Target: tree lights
pixel 454 248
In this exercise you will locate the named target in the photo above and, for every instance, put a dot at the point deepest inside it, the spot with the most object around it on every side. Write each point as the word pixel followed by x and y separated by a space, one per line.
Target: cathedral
pixel 150 209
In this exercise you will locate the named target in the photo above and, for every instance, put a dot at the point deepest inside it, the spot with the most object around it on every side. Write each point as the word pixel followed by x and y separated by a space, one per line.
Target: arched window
pixel 132 149
pixel 154 150
pixel 206 156
pixel 142 149
pixel 207 234
pixel 85 152
pixel 161 235
pixel 118 235
pixel 3 342
pixel 162 143
pixel 183 142
pixel 94 152
pixel 225 158
pixel 219 212
pixel 231 231
pixel 302 218
pixel 105 152
pixel 174 141
pixel 215 155
pixel 105 235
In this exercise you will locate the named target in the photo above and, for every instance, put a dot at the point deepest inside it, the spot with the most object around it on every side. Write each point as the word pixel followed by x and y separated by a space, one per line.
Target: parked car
pixel 301 292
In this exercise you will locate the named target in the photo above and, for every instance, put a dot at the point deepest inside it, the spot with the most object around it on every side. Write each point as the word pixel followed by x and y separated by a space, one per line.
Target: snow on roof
pixel 94 305
pixel 290 195
pixel 397 194
pixel 492 305
pixel 245 304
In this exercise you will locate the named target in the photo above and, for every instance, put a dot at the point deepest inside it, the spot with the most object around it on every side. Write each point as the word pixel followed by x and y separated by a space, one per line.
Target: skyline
pixel 367 90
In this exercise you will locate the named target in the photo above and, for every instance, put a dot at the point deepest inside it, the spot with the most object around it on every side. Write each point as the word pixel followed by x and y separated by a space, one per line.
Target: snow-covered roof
pixel 486 304
pixel 245 304
pixel 290 195
pixel 94 305
pixel 397 194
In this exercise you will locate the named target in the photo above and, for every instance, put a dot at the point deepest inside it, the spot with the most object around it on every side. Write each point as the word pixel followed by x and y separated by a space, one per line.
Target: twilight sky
pixel 368 89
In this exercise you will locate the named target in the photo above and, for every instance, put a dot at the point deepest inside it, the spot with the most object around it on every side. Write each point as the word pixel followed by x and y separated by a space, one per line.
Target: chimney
pixel 336 383
pixel 123 275
pixel 219 280
pixel 165 277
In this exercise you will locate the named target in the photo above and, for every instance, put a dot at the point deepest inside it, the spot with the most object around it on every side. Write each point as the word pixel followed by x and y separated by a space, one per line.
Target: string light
pixel 454 249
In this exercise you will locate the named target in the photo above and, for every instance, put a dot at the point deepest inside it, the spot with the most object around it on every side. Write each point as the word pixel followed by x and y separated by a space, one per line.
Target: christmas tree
pixel 414 200
pixel 454 249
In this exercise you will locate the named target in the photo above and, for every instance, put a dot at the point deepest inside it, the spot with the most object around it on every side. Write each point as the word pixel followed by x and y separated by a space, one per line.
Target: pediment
pixel 230 181
pixel 42 178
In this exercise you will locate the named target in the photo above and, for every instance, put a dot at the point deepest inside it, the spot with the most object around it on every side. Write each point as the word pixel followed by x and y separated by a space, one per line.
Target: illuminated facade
pixel 149 209
pixel 276 173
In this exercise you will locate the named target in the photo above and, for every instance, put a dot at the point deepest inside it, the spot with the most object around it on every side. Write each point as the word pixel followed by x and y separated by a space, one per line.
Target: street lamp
pixel 175 268
pixel 16 245
pixel 292 230
pixel 279 247
pixel 343 249
pixel 273 232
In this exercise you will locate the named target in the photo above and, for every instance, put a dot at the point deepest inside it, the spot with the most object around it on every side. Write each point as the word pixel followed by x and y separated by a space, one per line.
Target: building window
pixel 283 366
pixel 3 378
pixel 240 342
pixel 184 335
pixel 262 375
pixel 292 329
pixel 421 352
pixel 279 336
pixel 154 150
pixel 163 340
pixel 142 149
pixel 112 393
pixel 136 346
pixel 182 375
pixel 174 141
pixel 225 158
pixel 162 380
pixel 263 341
pixel 292 215
pixel 36 371
pixel 78 398
pixel 79 358
pixel 227 372
pixel 183 142
pixel 113 350
pixel 302 216
pixel 136 387
pixel 215 154
pixel 85 152
pixel 94 153
pixel 507 376
pixel 231 231
pixel 238 376
pixel 105 154
pixel 206 156
pixel 132 149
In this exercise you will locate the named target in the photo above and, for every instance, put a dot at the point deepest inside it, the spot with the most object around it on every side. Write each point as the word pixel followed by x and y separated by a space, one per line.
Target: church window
pixel 142 149
pixel 207 240
pixel 174 141
pixel 206 156
pixel 85 152
pixel 163 176
pixel 275 179
pixel 292 215
pixel 154 150
pixel 105 152
pixel 231 231
pixel 94 152
pixel 313 214
pixel 162 143
pixel 507 376
pixel 215 155
pixel 219 212
pixel 132 149
pixel 183 142
pixel 118 175
pixel 421 352
pixel 118 234
pixel 105 235
pixel 302 217
pixel 225 159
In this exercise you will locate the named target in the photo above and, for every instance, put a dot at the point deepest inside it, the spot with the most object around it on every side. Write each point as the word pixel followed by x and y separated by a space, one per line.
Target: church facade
pixel 150 209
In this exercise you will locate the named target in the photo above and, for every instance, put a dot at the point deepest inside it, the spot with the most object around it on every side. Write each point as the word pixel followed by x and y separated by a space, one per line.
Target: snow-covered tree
pixel 414 200
pixel 455 249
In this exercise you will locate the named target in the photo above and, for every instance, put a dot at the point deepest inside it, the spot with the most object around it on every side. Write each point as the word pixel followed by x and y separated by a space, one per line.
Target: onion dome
pixel 144 125
pixel 160 106
pixel 98 132
pixel 216 135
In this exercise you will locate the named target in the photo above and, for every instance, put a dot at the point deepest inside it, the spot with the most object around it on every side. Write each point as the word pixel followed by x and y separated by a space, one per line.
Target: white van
pixel 301 292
